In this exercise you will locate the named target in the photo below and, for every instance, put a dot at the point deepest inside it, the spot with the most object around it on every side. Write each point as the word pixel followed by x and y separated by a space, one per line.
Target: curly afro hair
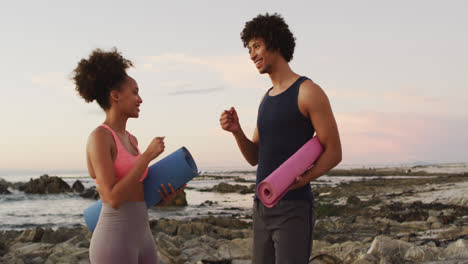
pixel 275 32
pixel 100 74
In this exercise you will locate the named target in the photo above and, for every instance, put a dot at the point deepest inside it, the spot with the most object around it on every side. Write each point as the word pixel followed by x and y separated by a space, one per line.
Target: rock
pixel 45 185
pixel 225 222
pixel 453 233
pixel 78 186
pixel 167 247
pixel 389 249
pixel 30 250
pixel 461 201
pixel 353 201
pixel 432 219
pixel 418 225
pixel 179 200
pixel 196 254
pixel 239 179
pixel 241 261
pixel 207 226
pixel 226 233
pixel 463 221
pixel 436 226
pixel 31 235
pixel 367 259
pixel 200 229
pixel 90 193
pixel 324 258
pixel 223 261
pixel 457 250
pixel 53 259
pixel 422 253
pixel 210 241
pixel 319 244
pixel 434 213
pixel 249 189
pixel 69 252
pixel 163 225
pixel 165 243
pixel 37 260
pixel 208 203
pixel 236 249
pixel 9 235
pixel 4 187
pixel 228 188
pixel 62 234
pixel 326 223
pixel 449 211
pixel 184 230
pixel 201 248
pixel 12 260
pixel 363 220
pixel 348 251
pixel 3 249
pixel 387 221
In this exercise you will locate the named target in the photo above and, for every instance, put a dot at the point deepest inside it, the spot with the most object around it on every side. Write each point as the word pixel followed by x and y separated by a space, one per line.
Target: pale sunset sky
pixel 396 74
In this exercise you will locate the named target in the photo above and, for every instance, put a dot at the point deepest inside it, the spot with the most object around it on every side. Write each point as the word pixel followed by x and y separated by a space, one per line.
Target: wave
pixel 24 226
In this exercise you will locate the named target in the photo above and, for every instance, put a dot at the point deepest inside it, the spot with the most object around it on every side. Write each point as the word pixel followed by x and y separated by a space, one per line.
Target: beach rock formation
pixel 180 199
pixel 45 185
pixel 231 188
pixel 90 193
pixel 358 223
pixel 4 187
pixel 78 186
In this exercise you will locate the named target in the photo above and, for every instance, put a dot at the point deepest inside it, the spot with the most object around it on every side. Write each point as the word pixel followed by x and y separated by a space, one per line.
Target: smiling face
pixel 263 58
pixel 128 98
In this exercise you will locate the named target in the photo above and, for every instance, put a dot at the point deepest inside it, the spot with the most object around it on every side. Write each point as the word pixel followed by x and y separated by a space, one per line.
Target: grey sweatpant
pixel 123 236
pixel 283 234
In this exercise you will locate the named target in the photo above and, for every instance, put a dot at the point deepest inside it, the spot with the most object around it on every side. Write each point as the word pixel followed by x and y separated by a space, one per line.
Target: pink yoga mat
pixel 276 185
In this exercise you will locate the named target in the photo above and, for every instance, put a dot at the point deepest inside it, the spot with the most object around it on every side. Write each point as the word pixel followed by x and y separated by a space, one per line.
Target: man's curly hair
pixel 98 75
pixel 274 30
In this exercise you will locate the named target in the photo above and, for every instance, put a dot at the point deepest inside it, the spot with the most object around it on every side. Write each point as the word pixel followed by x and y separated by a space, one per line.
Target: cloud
pixel 48 79
pixel 197 91
pixel 376 137
pixel 234 70
pixel 56 80
pixel 398 101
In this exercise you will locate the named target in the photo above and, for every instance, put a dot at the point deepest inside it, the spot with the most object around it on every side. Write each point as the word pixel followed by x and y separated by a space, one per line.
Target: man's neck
pixel 282 76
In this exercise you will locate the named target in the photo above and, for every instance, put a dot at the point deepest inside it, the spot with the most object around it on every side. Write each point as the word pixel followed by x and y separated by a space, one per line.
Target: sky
pixel 396 74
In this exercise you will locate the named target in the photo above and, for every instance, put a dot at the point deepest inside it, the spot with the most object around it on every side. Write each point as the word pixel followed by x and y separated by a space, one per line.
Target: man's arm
pixel 229 121
pixel 314 104
pixel 249 148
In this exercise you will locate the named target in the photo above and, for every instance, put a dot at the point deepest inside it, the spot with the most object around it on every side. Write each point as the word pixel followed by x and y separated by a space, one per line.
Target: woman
pixel 122 234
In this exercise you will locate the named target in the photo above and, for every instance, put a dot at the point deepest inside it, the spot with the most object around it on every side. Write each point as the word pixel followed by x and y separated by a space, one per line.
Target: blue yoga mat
pixel 178 168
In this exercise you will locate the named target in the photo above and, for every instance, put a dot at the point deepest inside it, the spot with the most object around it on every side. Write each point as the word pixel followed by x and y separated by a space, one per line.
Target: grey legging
pixel 123 236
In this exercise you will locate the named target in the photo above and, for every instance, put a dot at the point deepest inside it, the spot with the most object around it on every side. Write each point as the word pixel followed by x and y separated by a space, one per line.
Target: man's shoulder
pixel 309 89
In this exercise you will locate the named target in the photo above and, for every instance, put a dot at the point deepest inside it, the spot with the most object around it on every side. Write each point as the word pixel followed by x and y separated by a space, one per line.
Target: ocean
pixel 21 211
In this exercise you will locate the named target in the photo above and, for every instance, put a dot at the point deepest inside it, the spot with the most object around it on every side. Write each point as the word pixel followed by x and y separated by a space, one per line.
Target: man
pixel 289 114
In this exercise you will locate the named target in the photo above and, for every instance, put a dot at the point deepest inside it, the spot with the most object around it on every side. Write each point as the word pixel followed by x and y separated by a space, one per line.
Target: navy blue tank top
pixel 282 130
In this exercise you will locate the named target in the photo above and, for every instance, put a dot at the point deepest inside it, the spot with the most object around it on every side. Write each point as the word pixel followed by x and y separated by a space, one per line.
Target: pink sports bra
pixel 124 161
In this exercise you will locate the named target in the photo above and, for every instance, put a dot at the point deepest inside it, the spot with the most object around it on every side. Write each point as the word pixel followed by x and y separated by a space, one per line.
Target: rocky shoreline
pixel 374 221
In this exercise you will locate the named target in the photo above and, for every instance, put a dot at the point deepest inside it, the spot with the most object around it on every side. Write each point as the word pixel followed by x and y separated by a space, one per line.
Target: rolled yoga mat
pixel 276 185
pixel 178 168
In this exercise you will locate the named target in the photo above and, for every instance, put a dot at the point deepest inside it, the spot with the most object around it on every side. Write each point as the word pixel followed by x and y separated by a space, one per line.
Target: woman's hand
pixel 166 196
pixel 156 147
pixel 101 195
